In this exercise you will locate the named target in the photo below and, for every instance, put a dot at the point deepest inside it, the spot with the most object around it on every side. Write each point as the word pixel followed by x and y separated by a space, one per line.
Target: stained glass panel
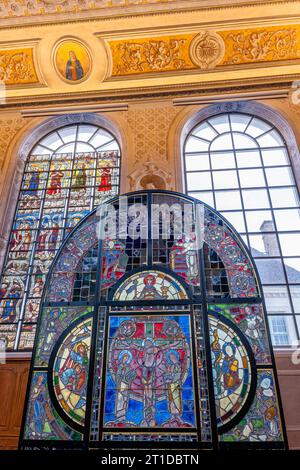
pixel 149 378
pixel 70 371
pixel 231 370
pixel 43 422
pixel 180 348
pixel 150 285
pixel 239 269
pixel 262 422
pixel 249 318
pixel 176 250
pixel 54 321
pixel 62 183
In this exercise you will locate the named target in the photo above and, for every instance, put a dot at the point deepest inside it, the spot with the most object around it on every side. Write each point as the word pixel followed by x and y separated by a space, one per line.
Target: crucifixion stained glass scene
pixel 153 331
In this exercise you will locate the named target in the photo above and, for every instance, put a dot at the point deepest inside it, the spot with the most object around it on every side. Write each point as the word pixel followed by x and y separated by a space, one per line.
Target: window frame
pixel 275 122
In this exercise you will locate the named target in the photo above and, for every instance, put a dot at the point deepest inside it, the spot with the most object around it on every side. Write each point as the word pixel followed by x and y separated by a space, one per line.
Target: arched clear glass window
pixel 239 164
pixel 68 173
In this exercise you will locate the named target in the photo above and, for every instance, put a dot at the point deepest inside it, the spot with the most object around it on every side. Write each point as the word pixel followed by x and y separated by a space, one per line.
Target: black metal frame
pixel 201 300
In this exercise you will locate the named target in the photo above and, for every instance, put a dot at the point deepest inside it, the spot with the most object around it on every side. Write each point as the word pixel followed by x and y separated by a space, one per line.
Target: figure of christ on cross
pixel 153 358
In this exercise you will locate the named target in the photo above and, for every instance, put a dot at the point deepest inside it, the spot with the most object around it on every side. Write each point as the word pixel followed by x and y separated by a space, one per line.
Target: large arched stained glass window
pixel 152 329
pixel 67 174
pixel 240 165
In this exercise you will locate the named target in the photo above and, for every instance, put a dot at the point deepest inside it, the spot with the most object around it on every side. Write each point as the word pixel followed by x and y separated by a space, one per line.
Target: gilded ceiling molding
pixel 203 50
pixel 37 8
pixel 16 12
pixel 33 12
pixel 19 65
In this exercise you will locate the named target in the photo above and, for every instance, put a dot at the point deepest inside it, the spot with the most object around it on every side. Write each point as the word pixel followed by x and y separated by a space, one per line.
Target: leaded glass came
pixel 158 338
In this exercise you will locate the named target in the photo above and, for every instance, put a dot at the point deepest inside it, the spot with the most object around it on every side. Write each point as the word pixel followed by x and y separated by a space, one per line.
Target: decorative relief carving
pixel 261 45
pixel 155 54
pixel 207 49
pixel 17 67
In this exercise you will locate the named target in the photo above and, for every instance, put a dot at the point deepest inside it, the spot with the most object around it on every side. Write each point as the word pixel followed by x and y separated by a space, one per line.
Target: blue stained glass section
pixel 149 379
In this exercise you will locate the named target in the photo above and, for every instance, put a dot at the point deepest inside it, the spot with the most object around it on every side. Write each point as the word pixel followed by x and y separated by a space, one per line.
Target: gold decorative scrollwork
pixel 153 55
pixel 261 46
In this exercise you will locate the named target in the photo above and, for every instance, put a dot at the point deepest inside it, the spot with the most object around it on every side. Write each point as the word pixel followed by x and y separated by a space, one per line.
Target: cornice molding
pixel 86 98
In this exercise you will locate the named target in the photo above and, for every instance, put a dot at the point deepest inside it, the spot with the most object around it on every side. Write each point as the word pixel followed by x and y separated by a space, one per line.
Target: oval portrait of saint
pixel 72 60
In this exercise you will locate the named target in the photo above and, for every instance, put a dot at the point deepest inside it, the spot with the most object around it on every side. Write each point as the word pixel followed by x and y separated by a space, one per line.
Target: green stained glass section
pixel 54 321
